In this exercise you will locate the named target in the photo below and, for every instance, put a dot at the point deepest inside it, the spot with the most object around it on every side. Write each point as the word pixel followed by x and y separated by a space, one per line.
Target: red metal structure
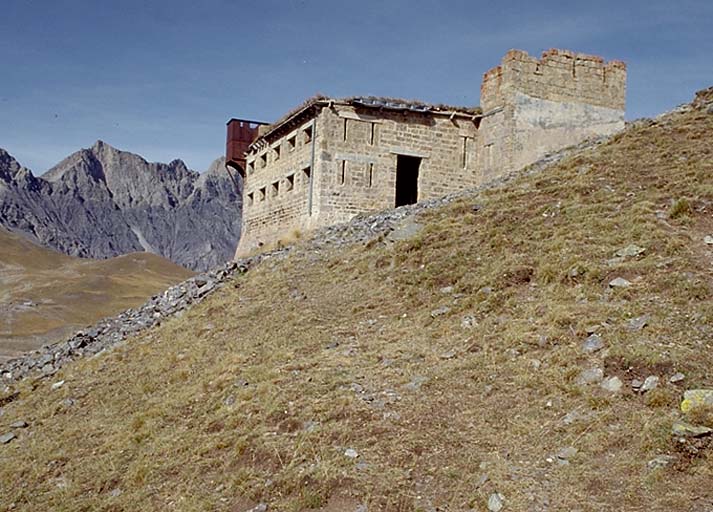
pixel 241 133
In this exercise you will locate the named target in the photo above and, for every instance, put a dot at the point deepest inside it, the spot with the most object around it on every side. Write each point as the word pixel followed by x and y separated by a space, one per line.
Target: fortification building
pixel 331 159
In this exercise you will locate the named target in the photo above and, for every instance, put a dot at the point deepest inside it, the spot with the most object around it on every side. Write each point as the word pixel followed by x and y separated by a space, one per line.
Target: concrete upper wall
pixel 533 107
pixel 560 75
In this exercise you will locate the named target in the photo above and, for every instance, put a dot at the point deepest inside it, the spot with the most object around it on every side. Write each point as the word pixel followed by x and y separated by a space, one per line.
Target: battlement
pixel 559 75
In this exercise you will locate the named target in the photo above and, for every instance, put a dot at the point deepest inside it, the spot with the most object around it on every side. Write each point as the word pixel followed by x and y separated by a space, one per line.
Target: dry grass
pixel 69 293
pixel 256 393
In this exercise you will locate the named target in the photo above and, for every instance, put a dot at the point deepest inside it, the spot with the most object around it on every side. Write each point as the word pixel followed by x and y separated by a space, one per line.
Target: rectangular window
pixel 277 152
pixel 342 171
pixel 261 194
pixel 306 173
pixel 464 154
pixel 372 133
pixel 307 134
pixel 292 142
pixel 344 130
pixel 274 189
pixel 289 182
pixel 371 174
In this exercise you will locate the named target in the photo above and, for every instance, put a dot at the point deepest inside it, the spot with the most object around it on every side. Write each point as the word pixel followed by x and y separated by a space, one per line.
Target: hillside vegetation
pixel 45 295
pixel 421 375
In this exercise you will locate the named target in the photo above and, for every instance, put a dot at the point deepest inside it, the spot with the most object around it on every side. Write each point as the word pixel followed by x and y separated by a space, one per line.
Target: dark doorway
pixel 407 179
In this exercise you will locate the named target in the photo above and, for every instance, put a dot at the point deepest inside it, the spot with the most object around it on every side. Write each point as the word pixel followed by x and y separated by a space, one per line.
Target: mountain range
pixel 102 202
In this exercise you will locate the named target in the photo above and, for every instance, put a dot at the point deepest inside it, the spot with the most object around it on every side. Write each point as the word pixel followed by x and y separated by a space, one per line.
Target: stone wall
pixel 354 169
pixel 358 158
pixel 537 106
pixel 276 189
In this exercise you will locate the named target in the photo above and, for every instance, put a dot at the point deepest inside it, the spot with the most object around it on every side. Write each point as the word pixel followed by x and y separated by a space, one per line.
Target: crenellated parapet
pixel 559 75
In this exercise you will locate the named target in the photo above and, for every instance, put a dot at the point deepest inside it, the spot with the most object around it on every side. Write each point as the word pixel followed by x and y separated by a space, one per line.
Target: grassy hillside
pixel 449 363
pixel 45 295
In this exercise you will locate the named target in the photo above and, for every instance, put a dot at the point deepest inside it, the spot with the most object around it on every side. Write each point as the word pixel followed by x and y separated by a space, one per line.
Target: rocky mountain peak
pixel 9 167
pixel 101 202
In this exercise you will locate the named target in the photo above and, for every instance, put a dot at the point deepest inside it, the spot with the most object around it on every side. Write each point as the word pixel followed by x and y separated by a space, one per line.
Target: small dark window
pixel 289 182
pixel 261 194
pixel 274 189
pixel 306 173
pixel 277 152
pixel 346 127
pixel 263 160
pixel 371 174
pixel 342 172
pixel 307 134
pixel 292 142
pixel 372 133
pixel 464 154
pixel 251 198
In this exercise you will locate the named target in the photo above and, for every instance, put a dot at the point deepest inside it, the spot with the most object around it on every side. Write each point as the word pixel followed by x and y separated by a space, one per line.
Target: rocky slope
pixel 102 202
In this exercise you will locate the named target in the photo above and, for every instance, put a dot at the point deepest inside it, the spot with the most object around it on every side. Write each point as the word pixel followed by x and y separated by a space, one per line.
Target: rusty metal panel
pixel 240 134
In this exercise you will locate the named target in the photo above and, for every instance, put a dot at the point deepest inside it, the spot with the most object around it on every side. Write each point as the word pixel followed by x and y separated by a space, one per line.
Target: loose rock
pixel 351 453
pixel 567 453
pixel 496 502
pixel 468 322
pixel 619 282
pixel 694 399
pixel 638 323
pixel 683 429
pixel 416 383
pixel 590 376
pixel 593 344
pixel 651 382
pixel 630 251
pixel 677 377
pixel 6 438
pixel 19 424
pixel 661 461
pixel 612 384
pixel 440 311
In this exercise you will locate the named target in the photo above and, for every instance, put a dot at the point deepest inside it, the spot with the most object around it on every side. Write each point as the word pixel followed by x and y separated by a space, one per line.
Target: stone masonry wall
pixel 358 158
pixel 354 169
pixel 537 106
pixel 276 189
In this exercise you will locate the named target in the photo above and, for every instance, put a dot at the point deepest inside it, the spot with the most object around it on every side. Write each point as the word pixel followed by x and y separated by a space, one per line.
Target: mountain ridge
pixel 100 202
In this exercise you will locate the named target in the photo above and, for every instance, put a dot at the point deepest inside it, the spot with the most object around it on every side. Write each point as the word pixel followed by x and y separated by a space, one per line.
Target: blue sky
pixel 160 78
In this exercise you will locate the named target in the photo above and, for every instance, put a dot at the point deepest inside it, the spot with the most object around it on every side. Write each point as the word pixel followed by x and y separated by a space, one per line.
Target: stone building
pixel 331 159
